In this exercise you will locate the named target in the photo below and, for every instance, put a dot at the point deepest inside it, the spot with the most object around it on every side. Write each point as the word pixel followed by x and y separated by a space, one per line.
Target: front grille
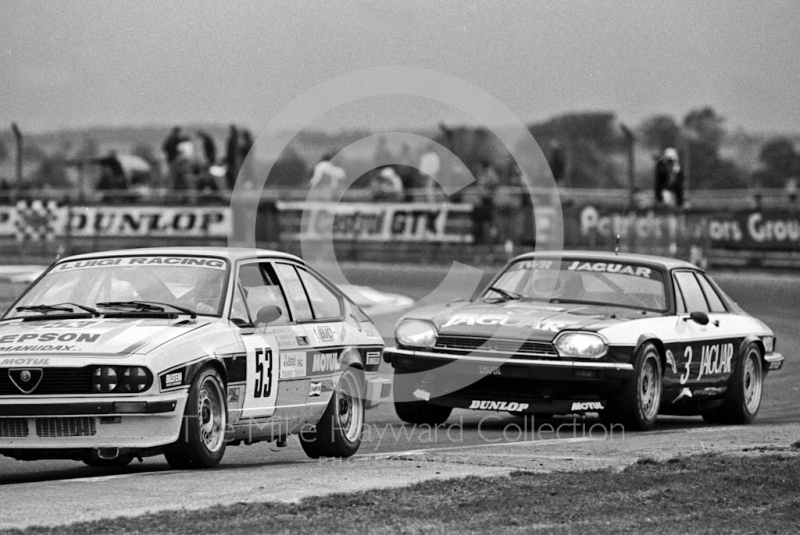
pixel 13 427
pixel 55 382
pixel 66 427
pixel 462 344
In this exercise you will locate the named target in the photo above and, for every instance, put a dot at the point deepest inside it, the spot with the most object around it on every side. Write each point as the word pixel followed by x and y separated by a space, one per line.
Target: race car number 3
pixel 263 373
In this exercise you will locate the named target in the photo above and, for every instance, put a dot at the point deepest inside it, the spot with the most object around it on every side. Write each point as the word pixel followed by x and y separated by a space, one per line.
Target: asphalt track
pixel 393 454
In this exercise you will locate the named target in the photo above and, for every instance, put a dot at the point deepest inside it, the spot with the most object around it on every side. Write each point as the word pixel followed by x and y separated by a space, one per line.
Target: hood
pixel 119 337
pixel 524 320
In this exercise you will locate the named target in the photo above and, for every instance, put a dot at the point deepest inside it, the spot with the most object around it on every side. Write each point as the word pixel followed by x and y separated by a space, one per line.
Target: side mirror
pixel 268 314
pixel 701 318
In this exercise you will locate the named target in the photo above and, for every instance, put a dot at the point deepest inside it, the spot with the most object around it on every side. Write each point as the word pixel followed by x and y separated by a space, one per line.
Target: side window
pixel 295 291
pixel 324 303
pixel 261 288
pixel 680 307
pixel 712 296
pixel 239 314
pixel 692 294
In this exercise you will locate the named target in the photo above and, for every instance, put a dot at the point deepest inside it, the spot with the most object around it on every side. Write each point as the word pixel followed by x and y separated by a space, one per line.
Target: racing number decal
pixel 263 363
pixel 687 354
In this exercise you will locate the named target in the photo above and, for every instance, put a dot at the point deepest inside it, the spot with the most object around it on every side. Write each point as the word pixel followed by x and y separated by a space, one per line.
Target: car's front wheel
pixel 201 443
pixel 338 433
pixel 637 402
pixel 411 410
pixel 743 397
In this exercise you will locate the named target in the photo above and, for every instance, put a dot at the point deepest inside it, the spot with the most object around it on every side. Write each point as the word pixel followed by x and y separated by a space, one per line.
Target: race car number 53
pixel 263 367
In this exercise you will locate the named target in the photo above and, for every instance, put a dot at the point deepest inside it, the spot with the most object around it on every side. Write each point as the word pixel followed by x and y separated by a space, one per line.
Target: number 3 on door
pixel 263 364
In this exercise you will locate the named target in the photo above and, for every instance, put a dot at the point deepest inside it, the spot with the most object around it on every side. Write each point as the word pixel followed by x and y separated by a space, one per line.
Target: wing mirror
pixel 268 314
pixel 701 318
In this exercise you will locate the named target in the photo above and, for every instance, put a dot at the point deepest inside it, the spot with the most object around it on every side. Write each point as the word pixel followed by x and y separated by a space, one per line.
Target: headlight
pixel 135 379
pixel 584 345
pixel 415 334
pixel 105 379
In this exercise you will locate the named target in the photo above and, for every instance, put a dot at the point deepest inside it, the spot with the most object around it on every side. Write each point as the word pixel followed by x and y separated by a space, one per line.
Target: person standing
pixel 669 179
pixel 232 157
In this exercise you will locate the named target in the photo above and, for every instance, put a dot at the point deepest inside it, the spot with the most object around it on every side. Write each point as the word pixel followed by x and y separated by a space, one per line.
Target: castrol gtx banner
pixel 385 222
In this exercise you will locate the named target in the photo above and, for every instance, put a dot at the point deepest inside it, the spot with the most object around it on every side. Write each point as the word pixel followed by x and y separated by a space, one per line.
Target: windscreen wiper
pixel 146 306
pixel 60 307
pixel 506 293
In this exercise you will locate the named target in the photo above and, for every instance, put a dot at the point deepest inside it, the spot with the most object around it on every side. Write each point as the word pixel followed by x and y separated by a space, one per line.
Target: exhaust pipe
pixel 108 454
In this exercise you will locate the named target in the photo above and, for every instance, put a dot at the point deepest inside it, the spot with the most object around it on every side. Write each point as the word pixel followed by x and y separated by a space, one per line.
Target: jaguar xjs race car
pixel 626 336
pixel 183 351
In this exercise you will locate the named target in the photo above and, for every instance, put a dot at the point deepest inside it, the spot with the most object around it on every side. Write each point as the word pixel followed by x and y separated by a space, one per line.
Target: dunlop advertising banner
pixel 386 222
pixel 39 221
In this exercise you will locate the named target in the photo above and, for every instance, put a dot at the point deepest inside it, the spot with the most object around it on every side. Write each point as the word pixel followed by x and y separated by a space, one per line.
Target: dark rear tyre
pixel 415 412
pixel 201 443
pixel 119 462
pixel 338 433
pixel 636 404
pixel 743 397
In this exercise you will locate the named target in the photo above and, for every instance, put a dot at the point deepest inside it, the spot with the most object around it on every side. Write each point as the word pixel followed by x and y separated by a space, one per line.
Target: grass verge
pixel 702 494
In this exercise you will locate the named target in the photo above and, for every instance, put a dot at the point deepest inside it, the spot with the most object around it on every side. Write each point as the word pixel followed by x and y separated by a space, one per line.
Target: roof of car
pixel 230 253
pixel 605 256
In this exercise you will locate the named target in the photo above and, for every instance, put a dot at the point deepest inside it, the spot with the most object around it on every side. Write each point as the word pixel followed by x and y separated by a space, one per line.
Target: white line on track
pixel 476 446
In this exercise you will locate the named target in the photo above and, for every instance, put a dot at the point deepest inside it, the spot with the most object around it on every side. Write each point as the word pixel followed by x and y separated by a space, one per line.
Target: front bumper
pixel 540 369
pixel 107 423
pixel 774 361
pixel 378 389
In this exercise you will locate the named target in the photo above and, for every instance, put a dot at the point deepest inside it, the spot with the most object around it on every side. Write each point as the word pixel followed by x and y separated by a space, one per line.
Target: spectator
pixel 209 147
pixel 232 159
pixel 113 180
pixel 669 179
pixel 245 144
pixel 387 186
pixel 170 146
pixel 326 178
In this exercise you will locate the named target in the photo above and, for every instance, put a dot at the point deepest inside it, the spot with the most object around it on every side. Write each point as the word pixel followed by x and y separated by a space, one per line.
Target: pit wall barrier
pixel 407 232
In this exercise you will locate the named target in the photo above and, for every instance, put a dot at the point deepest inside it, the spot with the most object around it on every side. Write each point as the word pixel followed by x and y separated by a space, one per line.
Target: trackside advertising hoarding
pixel 38 221
pixel 386 222
pixel 768 230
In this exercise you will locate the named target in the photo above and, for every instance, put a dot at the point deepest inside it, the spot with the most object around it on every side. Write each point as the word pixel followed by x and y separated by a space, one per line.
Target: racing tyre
pixel 415 412
pixel 743 397
pixel 201 443
pixel 119 462
pixel 636 404
pixel 338 433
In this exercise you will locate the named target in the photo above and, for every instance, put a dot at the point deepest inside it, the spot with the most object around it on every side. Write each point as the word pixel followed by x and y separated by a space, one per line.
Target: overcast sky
pixel 78 63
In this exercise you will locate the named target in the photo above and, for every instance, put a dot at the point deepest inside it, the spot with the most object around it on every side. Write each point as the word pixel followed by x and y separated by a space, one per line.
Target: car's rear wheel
pixel 637 402
pixel 743 397
pixel 201 443
pixel 338 433
pixel 413 411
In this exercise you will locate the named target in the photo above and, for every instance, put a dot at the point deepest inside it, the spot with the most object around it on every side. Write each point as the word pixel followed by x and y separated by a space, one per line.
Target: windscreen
pixel 196 283
pixel 620 284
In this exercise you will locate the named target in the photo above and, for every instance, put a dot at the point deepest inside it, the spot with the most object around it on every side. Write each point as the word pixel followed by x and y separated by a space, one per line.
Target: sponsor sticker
pixel 587 406
pixel 24 362
pixel 325 333
pixel 512 406
pixel 173 379
pixel 293 365
pixel 489 370
pixel 212 263
pixel 611 267
pixel 322 363
pixel 315 390
pixel 233 394
pixel 373 357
